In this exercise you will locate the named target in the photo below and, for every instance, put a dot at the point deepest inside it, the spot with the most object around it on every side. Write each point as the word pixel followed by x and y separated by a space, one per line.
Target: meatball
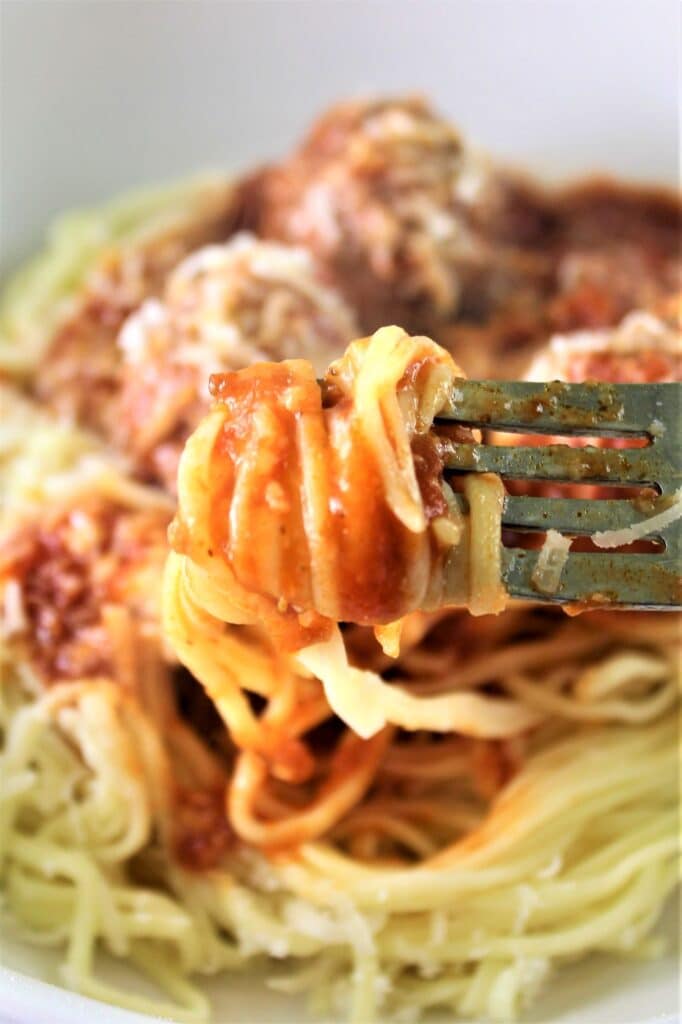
pixel 382 193
pixel 597 287
pixel 582 256
pixel 78 377
pixel 642 349
pixel 223 308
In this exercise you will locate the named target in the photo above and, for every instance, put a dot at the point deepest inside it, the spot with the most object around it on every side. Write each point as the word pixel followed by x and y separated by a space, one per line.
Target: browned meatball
pixel 378 192
pixel 79 373
pixel 642 349
pixel 224 307
pixel 600 250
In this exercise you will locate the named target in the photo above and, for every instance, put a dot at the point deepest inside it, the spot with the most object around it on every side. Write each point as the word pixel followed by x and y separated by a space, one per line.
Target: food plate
pixel 142 92
pixel 602 991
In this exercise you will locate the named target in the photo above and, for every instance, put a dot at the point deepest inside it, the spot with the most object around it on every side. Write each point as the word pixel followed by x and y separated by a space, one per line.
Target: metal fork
pixel 646 580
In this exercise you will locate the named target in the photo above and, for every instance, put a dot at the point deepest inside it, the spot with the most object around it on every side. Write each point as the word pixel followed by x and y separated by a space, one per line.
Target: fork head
pixel 651 412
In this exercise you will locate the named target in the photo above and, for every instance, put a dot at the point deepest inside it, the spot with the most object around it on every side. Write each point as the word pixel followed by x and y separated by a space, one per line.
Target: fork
pixel 626 579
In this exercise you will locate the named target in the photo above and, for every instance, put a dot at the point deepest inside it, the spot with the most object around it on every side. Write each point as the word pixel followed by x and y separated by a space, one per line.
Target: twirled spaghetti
pixel 306 505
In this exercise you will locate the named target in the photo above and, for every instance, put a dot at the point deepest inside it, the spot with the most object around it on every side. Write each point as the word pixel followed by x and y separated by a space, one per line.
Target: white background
pixel 101 94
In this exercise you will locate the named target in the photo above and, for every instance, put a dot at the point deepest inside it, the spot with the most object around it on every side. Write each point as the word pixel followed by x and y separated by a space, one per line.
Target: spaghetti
pixel 408 811
pixel 302 506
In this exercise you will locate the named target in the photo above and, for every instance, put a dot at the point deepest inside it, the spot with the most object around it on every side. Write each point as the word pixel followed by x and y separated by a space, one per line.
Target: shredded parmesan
pixel 551 561
pixel 619 538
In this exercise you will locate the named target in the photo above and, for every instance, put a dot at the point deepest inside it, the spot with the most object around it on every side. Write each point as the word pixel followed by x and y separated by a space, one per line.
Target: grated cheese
pixel 551 561
pixel 619 538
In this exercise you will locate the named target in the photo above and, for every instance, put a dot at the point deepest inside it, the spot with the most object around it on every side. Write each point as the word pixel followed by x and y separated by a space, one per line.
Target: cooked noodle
pixel 297 514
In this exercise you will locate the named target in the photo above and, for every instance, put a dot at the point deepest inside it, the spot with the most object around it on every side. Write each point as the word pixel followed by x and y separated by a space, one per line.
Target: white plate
pixel 603 990
pixel 99 96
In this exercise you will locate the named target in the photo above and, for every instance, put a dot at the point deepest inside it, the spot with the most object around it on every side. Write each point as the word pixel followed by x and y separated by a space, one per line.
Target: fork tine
pixel 629 580
pixel 643 466
pixel 642 580
pixel 559 408
pixel 574 515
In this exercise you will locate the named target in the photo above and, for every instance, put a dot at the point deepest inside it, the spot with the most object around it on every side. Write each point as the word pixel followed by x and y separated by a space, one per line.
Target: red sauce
pixel 428 466
pixel 202 832
pixel 69 568
pixel 257 497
